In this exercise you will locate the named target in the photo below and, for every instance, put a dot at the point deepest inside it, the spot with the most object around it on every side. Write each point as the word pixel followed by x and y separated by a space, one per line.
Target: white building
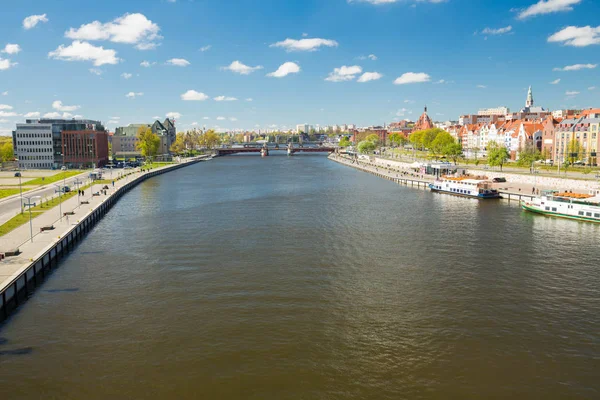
pixel 34 146
pixel 303 128
pixel 494 111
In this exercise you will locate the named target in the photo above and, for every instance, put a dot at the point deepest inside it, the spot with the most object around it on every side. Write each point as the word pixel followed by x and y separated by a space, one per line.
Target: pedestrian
pixel 113 182
pixel 533 190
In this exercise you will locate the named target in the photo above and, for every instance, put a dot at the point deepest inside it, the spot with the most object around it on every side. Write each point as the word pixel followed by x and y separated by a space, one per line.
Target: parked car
pixel 63 168
pixel 17 174
pixel 499 180
pixel 65 189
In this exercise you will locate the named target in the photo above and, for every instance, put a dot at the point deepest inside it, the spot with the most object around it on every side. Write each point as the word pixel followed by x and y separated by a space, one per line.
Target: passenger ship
pixel 466 187
pixel 582 207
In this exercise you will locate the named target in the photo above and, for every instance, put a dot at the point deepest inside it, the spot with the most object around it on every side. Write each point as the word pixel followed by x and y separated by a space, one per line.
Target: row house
pixel 582 130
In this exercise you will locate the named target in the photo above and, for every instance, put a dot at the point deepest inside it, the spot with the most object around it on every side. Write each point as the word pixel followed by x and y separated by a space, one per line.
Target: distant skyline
pixel 247 64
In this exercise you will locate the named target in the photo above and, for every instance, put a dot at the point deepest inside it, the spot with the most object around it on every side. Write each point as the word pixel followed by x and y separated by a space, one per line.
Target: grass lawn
pixel 17 221
pixel 157 164
pixel 10 192
pixel 54 178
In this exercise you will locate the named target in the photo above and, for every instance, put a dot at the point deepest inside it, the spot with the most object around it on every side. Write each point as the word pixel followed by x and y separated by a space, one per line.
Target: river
pixel 299 278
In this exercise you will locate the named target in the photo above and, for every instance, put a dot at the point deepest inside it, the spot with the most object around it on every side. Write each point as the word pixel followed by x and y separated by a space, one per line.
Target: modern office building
pixel 38 142
pixel 85 149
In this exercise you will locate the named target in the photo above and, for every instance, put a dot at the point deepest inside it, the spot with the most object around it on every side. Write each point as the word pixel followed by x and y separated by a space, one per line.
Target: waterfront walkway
pixel 20 238
pixel 513 188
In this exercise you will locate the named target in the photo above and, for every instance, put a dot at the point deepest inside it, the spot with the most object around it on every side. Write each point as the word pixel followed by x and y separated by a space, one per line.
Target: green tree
pixel 441 141
pixel 398 139
pixel 497 155
pixel 179 147
pixel 453 151
pixel 366 146
pixel 574 150
pixel 416 139
pixel 373 138
pixel 344 142
pixel 528 155
pixel 211 139
pixel 7 152
pixel 148 142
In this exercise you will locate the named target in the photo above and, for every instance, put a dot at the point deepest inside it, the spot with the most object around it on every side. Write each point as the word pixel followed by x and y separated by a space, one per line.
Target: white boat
pixel 582 207
pixel 465 187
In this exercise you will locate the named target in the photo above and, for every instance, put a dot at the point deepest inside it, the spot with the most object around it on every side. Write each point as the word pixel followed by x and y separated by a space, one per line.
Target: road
pixel 11 206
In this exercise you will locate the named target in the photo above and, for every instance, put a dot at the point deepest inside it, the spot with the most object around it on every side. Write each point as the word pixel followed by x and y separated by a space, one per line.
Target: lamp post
pixel 30 204
pixel 59 190
pixel 21 190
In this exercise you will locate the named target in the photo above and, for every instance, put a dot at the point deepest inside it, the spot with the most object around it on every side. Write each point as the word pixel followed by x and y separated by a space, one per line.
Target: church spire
pixel 529 102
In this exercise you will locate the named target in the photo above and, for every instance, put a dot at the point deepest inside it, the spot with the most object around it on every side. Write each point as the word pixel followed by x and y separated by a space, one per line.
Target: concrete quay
pixel 21 274
pixel 402 174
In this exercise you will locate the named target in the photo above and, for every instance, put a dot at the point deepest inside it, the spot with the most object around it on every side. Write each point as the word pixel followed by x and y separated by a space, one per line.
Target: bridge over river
pixel 264 150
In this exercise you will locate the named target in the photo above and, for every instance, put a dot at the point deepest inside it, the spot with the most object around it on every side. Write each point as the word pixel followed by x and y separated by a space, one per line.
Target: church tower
pixel 529 102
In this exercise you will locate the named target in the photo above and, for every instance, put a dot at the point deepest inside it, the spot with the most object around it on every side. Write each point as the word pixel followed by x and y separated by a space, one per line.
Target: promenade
pixel 33 243
pixel 516 186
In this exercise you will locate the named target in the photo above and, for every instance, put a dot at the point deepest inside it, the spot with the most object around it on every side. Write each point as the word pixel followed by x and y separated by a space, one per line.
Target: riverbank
pixel 28 259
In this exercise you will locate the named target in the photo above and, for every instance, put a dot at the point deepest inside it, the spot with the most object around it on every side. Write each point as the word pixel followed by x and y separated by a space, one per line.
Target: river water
pixel 299 278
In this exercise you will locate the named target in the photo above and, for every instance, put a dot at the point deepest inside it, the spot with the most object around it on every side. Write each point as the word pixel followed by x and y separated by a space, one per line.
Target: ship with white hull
pixel 575 206
pixel 465 187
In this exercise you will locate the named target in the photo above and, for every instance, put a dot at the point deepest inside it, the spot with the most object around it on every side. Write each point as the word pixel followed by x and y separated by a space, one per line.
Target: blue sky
pixel 463 55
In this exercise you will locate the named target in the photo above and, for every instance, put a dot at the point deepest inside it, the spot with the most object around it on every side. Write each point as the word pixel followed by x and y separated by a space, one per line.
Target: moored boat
pixel 465 187
pixel 582 207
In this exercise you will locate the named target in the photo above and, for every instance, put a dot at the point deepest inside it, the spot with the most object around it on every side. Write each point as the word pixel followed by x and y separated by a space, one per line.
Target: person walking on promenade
pixel 113 183
pixel 533 190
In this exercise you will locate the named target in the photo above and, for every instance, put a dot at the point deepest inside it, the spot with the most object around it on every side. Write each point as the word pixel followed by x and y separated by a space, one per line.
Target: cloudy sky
pixel 275 63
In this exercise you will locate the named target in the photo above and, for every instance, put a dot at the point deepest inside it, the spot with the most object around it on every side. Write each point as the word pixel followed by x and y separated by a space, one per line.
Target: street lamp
pixel 30 204
pixel 59 190
pixel 21 190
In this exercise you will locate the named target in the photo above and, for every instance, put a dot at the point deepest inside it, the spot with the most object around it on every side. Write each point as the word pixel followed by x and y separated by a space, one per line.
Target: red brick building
pixel 424 122
pixel 85 148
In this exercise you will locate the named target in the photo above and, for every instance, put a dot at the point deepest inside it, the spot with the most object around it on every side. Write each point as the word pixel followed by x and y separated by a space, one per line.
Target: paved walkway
pixel 20 238
pixel 407 173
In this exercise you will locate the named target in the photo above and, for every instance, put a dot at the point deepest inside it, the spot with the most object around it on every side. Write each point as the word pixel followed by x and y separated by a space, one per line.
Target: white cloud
pixel 372 57
pixel 5 64
pixel 5 107
pixel 592 88
pixel 241 69
pixel 192 95
pixel 285 69
pixel 409 101
pixel 178 62
pixel 129 28
pixel 401 112
pixel 205 48
pixel 577 36
pixel 206 118
pixel 133 95
pixel 305 44
pixel 225 98
pixel 481 87
pixel 499 31
pixel 3 121
pixel 344 73
pixel 58 105
pixel 113 122
pixel 571 93
pixel 249 99
pixel 147 64
pixel 96 71
pixel 412 77
pixel 576 67
pixel 369 76
pixel 173 115
pixel 440 82
pixel 548 7
pixel 5 93
pixel 33 20
pixel 11 48
pixel 33 114
pixel 126 75
pixel 220 118
pixel 83 51
pixel 555 82
pixel 233 119
pixel 56 115
pixel 8 114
